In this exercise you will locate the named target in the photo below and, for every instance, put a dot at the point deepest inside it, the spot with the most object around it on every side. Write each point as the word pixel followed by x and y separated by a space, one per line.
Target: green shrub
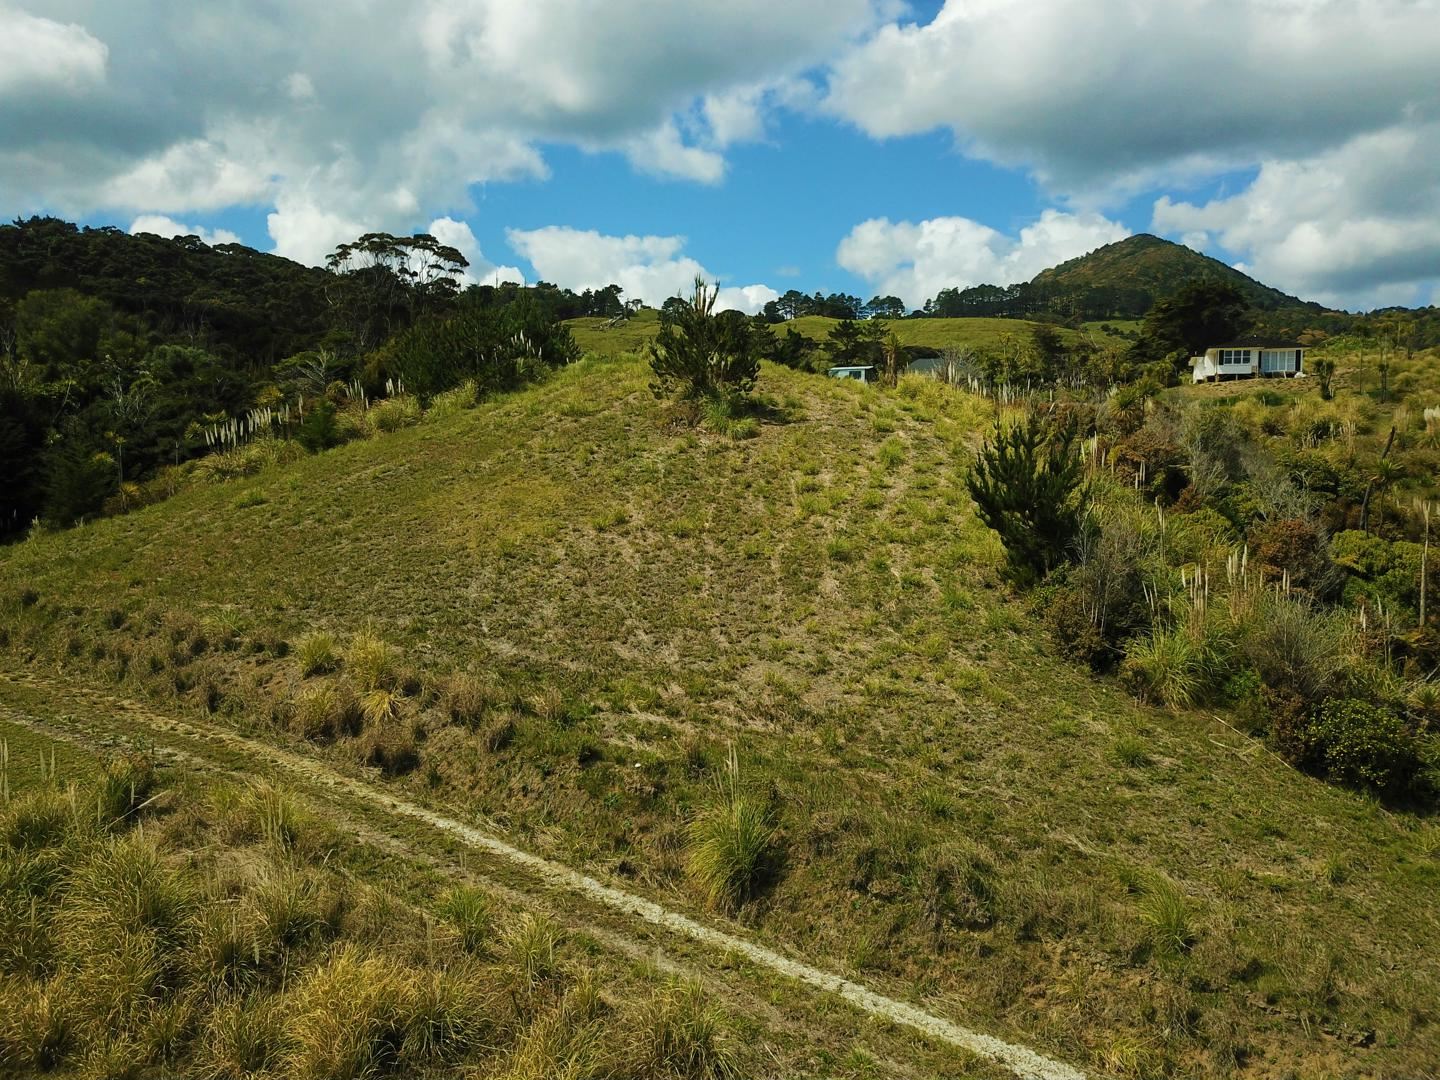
pixel 1026 483
pixel 703 353
pixel 319 430
pixel 1364 744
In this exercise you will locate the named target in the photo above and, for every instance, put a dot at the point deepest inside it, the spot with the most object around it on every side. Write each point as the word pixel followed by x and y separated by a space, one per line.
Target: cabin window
pixel 1235 356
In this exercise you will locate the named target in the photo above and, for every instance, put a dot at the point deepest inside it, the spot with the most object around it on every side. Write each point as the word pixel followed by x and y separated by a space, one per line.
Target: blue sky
pixel 865 146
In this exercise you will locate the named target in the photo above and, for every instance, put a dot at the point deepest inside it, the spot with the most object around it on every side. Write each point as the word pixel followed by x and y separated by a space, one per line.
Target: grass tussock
pixel 732 843
pixel 370 662
pixel 213 942
pixel 317 654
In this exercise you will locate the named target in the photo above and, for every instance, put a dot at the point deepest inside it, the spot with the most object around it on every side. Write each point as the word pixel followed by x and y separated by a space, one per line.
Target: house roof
pixel 1260 343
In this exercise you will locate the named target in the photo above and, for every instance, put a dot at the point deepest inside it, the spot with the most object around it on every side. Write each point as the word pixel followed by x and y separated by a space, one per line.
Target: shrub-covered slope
pixel 560 611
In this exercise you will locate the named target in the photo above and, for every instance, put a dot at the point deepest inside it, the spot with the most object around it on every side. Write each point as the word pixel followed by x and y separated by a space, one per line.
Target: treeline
pixel 120 355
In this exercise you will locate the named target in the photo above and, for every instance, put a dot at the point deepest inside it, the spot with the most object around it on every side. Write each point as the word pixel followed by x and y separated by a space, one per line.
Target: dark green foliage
pixel 318 430
pixel 498 348
pixel 78 476
pixel 1365 744
pixel 702 353
pixel 1199 316
pixel 1026 483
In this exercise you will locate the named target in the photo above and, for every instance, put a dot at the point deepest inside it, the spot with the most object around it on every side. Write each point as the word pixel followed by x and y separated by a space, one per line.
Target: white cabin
pixel 1248 362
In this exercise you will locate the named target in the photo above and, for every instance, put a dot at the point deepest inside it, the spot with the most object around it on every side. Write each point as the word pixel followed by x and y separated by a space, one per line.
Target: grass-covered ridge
pixel 580 608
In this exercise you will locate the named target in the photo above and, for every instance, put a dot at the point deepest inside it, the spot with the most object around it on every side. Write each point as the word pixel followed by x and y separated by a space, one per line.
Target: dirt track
pixel 195 742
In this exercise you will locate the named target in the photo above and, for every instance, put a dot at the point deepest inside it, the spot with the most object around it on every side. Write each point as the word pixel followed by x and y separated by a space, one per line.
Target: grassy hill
pixel 580 613
pixel 1160 267
pixel 595 337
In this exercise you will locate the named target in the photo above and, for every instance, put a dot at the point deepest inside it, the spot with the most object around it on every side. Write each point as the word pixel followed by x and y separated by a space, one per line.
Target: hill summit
pixel 1159 267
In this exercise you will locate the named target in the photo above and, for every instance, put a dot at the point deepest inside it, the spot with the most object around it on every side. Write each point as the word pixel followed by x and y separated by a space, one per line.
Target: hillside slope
pixel 1160 267
pixel 964 819
pixel 597 337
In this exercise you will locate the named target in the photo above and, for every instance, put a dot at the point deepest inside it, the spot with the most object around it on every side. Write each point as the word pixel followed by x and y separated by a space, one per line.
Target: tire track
pixel 1022 1061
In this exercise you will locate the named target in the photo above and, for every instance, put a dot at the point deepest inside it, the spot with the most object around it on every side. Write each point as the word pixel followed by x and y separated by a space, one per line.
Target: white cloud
pixel 161 225
pixel 651 268
pixel 1355 226
pixel 461 237
pixel 914 261
pixel 1334 102
pixel 1116 95
pixel 663 152
pixel 383 116
pixel 39 55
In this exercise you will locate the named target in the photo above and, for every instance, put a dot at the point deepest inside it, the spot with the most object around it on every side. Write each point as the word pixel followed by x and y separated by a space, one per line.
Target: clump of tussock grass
pixel 531 951
pixel 369 661
pixel 681 1034
pixel 957 884
pixel 316 654
pixel 381 705
pixel 359 1014
pixel 45 818
pixel 1165 913
pixel 470 912
pixel 243 1037
pixel 392 747
pixel 732 842
pixel 549 705
pixel 500 732
pixel 1167 667
pixel 466 699
pixel 392 414
pixel 326 711
pixel 568 1040
pixel 1131 751
pixel 126 782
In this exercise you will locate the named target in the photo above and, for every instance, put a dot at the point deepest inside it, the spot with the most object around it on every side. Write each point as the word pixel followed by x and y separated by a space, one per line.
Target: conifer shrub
pixel 1027 486
pixel 702 353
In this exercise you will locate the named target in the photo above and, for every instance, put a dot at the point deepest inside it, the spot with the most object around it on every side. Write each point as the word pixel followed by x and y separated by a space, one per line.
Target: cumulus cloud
pixel 914 261
pixel 461 237
pixel 1333 102
pixel 652 268
pixel 1098 95
pixel 161 225
pixel 387 116
pixel 1356 226
pixel 43 56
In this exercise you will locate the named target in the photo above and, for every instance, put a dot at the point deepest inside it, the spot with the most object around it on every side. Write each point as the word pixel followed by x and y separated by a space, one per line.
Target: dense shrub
pixel 1299 548
pixel 1027 486
pixel 703 353
pixel 495 348
pixel 319 430
pixel 1364 744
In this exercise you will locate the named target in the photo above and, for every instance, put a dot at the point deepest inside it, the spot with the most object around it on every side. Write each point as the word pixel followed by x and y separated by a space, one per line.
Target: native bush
pixel 1364 744
pixel 700 352
pixel 1027 486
